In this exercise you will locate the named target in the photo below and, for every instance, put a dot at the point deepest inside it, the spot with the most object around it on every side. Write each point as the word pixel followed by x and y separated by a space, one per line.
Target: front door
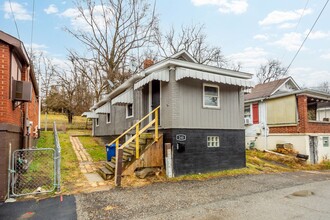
pixel 313 149
pixel 155 96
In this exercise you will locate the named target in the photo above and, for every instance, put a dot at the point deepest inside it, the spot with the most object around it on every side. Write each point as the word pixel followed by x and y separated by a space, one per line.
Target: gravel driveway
pixel 167 200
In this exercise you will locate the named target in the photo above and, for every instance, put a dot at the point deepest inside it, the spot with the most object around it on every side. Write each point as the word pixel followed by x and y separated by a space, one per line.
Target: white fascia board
pixel 288 79
pixel 196 66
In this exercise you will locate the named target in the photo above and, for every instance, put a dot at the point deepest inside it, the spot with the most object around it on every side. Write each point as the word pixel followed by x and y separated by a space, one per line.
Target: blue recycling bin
pixel 111 151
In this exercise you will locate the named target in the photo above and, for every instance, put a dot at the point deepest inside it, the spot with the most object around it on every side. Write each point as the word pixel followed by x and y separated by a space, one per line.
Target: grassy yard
pixel 78 123
pixel 70 172
pixel 97 152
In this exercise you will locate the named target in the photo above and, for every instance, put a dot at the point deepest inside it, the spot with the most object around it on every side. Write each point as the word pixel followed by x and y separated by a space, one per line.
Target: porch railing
pixel 139 131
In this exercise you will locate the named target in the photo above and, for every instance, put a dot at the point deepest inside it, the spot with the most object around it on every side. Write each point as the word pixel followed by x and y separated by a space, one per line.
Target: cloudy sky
pixel 248 31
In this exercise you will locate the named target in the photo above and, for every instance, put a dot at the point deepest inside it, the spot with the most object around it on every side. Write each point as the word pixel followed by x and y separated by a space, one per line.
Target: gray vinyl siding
pixel 119 123
pixel 182 103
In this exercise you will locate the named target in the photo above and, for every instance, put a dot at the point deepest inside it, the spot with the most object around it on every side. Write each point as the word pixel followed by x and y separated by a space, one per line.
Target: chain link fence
pixel 33 171
pixel 36 170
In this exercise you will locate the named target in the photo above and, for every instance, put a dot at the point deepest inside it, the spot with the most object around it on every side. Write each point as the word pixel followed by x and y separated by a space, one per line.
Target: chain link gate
pixel 33 171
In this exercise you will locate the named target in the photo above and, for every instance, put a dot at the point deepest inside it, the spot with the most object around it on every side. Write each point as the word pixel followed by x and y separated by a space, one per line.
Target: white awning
pixel 90 115
pixel 104 109
pixel 211 77
pixel 161 75
pixel 124 98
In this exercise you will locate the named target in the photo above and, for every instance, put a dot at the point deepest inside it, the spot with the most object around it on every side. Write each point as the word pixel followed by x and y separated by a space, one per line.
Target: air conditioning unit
pixel 21 91
pixel 247 121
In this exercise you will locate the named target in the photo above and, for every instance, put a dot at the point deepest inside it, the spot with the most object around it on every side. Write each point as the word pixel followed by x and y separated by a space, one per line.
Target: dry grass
pixel 78 122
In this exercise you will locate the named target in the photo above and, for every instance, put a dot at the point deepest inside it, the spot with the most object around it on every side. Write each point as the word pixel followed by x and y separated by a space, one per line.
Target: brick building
pixel 280 112
pixel 18 103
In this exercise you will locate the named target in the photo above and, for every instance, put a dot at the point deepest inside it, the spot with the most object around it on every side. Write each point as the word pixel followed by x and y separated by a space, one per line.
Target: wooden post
pixel 119 166
pixel 156 125
pixel 137 141
pixel 117 144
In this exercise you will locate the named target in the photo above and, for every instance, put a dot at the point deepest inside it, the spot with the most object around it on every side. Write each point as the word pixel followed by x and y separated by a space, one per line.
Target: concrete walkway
pixel 86 164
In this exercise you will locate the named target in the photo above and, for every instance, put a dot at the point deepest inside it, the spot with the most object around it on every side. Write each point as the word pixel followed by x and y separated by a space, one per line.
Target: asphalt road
pixel 298 195
pixel 52 208
pixel 267 196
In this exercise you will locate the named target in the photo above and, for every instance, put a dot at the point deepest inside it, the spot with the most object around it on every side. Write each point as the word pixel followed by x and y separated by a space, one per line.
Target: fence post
pixel 57 159
pixel 119 166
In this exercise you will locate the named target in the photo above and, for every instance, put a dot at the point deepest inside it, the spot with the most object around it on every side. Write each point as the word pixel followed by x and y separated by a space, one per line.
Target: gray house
pixel 201 112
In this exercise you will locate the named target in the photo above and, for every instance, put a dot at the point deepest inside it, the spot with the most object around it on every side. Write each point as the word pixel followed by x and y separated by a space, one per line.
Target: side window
pixel 211 96
pixel 129 110
pixel 108 118
pixel 247 114
pixel 97 122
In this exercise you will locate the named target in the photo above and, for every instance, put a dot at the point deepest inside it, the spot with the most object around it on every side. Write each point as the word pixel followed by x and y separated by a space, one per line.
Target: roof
pixel 264 90
pixel 18 46
pixel 181 59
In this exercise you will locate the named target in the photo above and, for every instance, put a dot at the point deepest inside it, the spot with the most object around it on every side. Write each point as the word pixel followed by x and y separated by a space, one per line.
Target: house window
pixel 97 122
pixel 129 110
pixel 108 118
pixel 247 115
pixel 325 141
pixel 213 141
pixel 211 96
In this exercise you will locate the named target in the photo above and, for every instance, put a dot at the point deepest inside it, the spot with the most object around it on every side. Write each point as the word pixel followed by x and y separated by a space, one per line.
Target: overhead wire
pixel 12 12
pixel 302 44
pixel 297 25
pixel 32 27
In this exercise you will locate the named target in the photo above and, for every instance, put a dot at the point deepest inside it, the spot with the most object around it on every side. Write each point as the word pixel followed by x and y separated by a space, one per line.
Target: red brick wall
pixel 7 114
pixel 304 126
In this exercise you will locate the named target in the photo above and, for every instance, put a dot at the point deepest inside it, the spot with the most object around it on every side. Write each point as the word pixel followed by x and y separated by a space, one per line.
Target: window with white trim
pixel 97 122
pixel 129 110
pixel 211 96
pixel 213 141
pixel 108 118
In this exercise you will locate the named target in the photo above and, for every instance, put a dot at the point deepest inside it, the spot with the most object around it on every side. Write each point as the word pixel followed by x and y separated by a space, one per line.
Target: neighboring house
pixel 18 103
pixel 280 112
pixel 201 108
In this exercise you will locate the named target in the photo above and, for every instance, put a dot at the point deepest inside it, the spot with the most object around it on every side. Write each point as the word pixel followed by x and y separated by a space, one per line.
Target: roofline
pixel 308 92
pixel 17 44
pixel 127 84
pixel 294 82
pixel 197 66
pixel 184 52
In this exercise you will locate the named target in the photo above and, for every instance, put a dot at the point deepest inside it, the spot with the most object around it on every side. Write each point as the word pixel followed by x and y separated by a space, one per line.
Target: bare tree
pixel 45 70
pixel 324 86
pixel 114 28
pixel 270 71
pixel 192 39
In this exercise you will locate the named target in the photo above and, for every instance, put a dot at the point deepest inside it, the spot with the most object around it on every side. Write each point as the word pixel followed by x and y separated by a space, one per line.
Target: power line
pixel 302 44
pixel 32 27
pixel 301 15
pixel 11 9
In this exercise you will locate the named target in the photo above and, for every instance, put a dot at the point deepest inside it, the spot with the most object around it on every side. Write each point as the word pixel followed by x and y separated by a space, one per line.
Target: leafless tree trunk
pixel 271 71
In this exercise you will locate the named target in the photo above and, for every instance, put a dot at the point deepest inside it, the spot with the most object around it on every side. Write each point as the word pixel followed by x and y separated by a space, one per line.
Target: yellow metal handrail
pixel 139 131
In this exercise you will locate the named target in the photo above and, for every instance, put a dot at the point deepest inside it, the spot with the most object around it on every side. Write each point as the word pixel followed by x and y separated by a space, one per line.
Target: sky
pixel 248 31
